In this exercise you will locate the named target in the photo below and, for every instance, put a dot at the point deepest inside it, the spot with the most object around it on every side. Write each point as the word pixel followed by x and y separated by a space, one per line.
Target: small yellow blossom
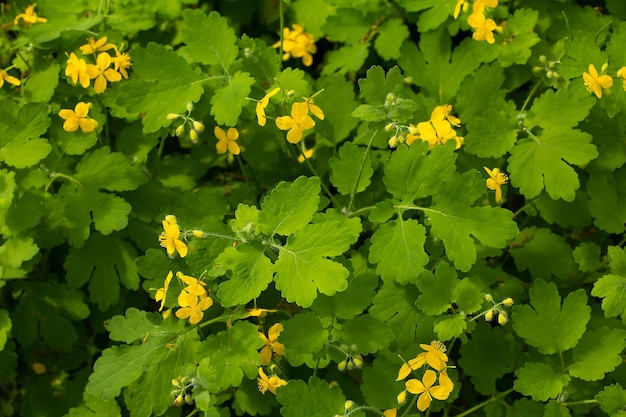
pixel 258 312
pixel 94 46
pixel 443 112
pixel 307 154
pixel 193 287
pixel 102 73
pixel 271 383
pixel 392 412
pixel 434 356
pixel 78 117
pixel 170 237
pixel 595 83
pixel 313 108
pixel 39 368
pixel 77 70
pixel 426 390
pixel 29 16
pixel 262 104
pixel 4 76
pixel 502 318
pixel 483 28
pixel 622 74
pixel 121 62
pixel 227 140
pixel 195 310
pixel 298 43
pixel 479 5
pixel 495 181
pixel 271 344
pixel 162 292
pixel 437 131
pixel 401 398
pixel 297 123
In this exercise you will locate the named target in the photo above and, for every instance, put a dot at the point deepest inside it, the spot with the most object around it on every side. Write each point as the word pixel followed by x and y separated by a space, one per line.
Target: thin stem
pixel 530 95
pixel 326 190
pixel 569 404
pixel 520 210
pixel 484 403
pixel 282 26
pixel 361 167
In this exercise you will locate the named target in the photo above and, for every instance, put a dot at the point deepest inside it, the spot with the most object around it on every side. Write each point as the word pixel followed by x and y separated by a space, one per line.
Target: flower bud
pixel 198 126
pixel 358 362
pixel 488 297
pixel 341 366
pixel 348 405
pixel 508 302
pixel 393 142
pixel 172 116
pixel 199 234
pixel 388 127
pixel 401 398
pixel 180 130
pixel 605 66
pixel 193 135
pixel 189 106
pixel 489 315
pixel 178 401
pixel 502 318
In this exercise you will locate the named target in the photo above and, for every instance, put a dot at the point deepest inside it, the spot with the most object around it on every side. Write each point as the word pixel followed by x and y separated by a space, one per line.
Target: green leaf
pixel 209 40
pixel 544 254
pixel 369 113
pixel 572 110
pixel 494 132
pixel 5 328
pixel 468 296
pixel 314 400
pixel 398 250
pixel 351 170
pixel 95 406
pixel 544 161
pixel 598 353
pixel 104 275
pixel 391 34
pixel 303 333
pixel 548 325
pixel 347 59
pixel 449 327
pixel 41 83
pixel 395 305
pixel 290 206
pixel 555 408
pixel 436 12
pixel 228 101
pixel 617 260
pixel 612 290
pixel 607 203
pixel 133 326
pixel 293 79
pixel 480 92
pixel 539 381
pixel 612 398
pixel 380 387
pixel 438 289
pixel 20 144
pixel 587 256
pixel 368 334
pixel 376 85
pixel 563 213
pixel 163 83
pixel 303 266
pixel 13 253
pixel 457 223
pixel 487 356
pixel 250 276
pixel 413 172
pixel 338 96
pixel 234 353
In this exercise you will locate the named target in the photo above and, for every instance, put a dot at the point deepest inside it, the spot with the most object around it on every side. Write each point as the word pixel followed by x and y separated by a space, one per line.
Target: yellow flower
pixel 94 46
pixel 595 83
pixel 443 112
pixel 313 108
pixel 426 390
pixel 170 237
pixel 483 28
pixel 4 76
pixel 435 132
pixel 392 412
pixel 226 140
pixel 495 182
pixel 622 73
pixel 102 73
pixel 457 8
pixel 434 356
pixel 121 62
pixel 78 117
pixel 271 344
pixel 297 123
pixel 195 310
pixel 162 292
pixel 29 16
pixel 307 154
pixel 77 70
pixel 262 104
pixel 193 289
pixel 298 43
pixel 271 383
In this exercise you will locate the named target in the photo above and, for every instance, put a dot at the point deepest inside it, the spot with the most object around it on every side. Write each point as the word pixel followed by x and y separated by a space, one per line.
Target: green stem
pixel 484 403
pixel 569 404
pixel 326 190
pixel 530 96
pixel 358 177
pixel 282 26
pixel 520 210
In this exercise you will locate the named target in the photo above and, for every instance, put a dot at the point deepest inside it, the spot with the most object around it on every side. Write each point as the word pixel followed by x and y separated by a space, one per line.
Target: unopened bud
pixel 341 366
pixel 358 363
pixel 502 318
pixel 180 130
pixel 488 297
pixel 198 126
pixel 199 234
pixel 188 399
pixel 401 398
pixel 393 142
pixel 172 116
pixel 508 302
pixel 189 106
pixel 605 66
pixel 489 315
pixel 193 135
pixel 408 80
pixel 348 405
pixel 178 401
pixel 388 127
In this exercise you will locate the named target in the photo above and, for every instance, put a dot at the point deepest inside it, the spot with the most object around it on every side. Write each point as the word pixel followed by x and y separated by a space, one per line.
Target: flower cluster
pixel 107 68
pixel 183 390
pixel 495 181
pixel 196 127
pixel 353 359
pixel 435 359
pixel 437 130
pixel 483 26
pixel 498 310
pixel 29 17
pixel 193 299
pixel 298 44
pixel 78 118
pixel 271 346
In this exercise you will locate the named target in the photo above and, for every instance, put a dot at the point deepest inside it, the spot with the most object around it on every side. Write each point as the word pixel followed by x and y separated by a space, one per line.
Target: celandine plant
pixel 312 208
